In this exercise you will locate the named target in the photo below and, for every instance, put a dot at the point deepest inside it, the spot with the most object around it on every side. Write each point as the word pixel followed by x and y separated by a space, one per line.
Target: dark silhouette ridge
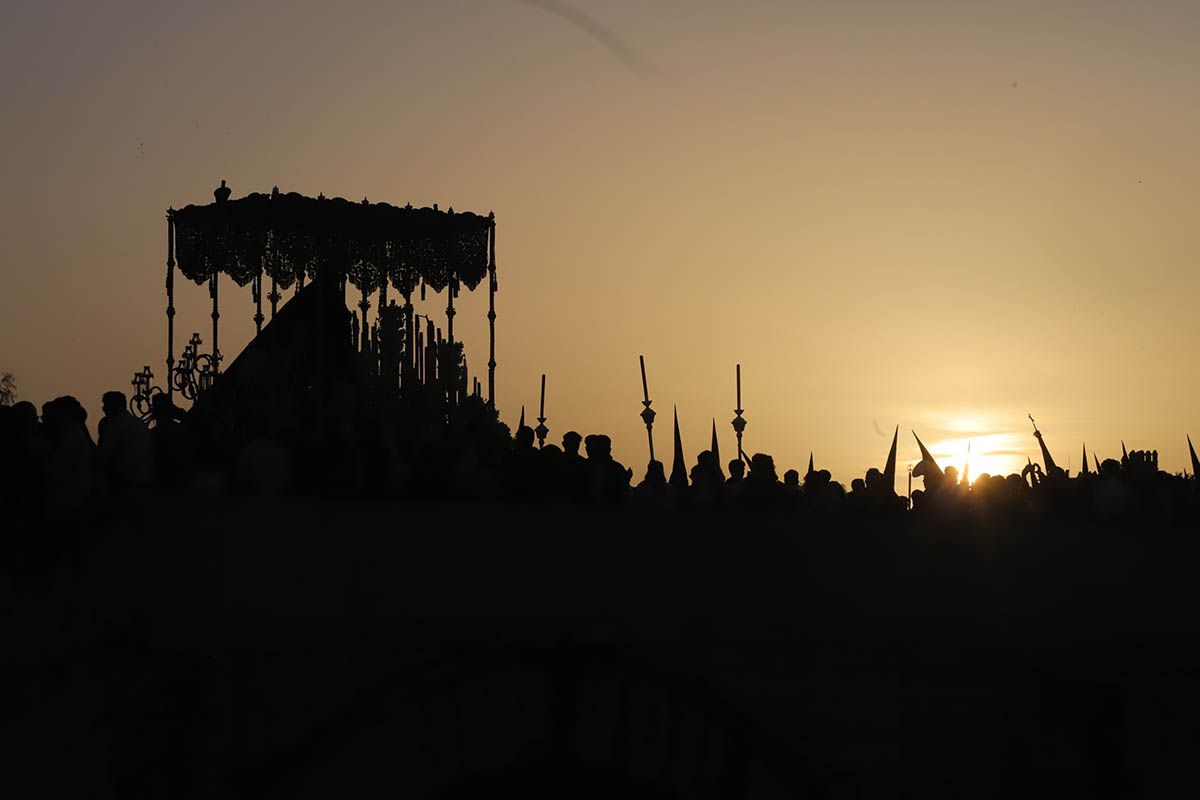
pixel 331 564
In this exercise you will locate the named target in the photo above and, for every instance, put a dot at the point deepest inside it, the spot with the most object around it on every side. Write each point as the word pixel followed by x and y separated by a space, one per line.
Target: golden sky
pixel 938 215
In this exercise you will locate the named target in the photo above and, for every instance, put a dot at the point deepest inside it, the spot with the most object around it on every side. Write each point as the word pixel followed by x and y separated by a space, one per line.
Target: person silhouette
pixel 607 481
pixel 731 493
pixel 654 492
pixel 124 452
pixel 761 489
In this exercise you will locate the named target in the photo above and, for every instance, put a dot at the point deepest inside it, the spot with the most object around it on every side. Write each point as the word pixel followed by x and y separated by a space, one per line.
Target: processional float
pixel 279 241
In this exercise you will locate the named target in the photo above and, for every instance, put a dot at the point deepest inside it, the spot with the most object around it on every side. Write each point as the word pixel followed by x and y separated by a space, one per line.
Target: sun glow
pixel 980 442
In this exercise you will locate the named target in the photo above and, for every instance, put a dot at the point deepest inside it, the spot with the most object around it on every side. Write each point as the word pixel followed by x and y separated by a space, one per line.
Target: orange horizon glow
pixel 941 215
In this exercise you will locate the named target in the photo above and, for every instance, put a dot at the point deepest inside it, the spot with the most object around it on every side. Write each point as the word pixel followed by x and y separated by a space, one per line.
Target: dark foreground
pixel 312 648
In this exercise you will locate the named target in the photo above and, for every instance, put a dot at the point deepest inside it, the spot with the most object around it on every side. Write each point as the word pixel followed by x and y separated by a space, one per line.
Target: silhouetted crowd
pixel 413 448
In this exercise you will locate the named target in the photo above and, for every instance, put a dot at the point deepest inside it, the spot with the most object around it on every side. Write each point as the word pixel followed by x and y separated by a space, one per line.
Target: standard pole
pixel 542 430
pixel 739 424
pixel 647 412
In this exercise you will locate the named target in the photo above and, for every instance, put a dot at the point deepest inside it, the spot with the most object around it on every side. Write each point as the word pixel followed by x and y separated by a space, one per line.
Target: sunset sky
pixel 942 215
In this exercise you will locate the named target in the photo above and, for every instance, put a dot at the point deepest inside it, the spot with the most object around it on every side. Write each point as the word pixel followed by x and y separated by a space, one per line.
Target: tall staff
pixel 739 424
pixel 647 412
pixel 541 430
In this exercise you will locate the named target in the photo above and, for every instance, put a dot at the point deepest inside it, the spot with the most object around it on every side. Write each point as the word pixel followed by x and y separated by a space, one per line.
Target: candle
pixel 542 407
pixel 645 391
pixel 739 385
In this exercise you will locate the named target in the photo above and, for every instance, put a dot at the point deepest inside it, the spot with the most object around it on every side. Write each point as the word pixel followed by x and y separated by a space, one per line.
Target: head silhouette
pixel 598 447
pixel 736 469
pixel 655 476
pixel 762 468
pixel 114 403
pixel 524 437
pixel 570 443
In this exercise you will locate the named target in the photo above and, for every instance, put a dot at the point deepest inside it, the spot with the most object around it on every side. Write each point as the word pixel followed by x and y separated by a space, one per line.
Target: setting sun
pixel 986 441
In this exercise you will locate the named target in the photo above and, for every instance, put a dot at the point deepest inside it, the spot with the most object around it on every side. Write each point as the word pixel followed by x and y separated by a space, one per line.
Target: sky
pixel 938 215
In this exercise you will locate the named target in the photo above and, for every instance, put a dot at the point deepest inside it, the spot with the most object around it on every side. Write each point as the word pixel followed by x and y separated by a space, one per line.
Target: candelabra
pixel 195 371
pixel 144 391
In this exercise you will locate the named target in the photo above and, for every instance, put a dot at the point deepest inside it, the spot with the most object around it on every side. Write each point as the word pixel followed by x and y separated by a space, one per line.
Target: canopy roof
pixel 289 235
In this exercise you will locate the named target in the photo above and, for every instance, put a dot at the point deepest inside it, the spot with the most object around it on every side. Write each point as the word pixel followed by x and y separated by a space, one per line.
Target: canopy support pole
pixel 170 301
pixel 408 365
pixel 273 297
pixel 451 380
pixel 364 304
pixel 492 311
pixel 216 315
pixel 257 289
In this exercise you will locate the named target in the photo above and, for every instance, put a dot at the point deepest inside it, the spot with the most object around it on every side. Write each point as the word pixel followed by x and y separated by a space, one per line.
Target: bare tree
pixel 8 389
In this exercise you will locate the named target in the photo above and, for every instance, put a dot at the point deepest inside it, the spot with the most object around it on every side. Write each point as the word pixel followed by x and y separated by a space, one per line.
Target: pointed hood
pixel 810 464
pixel 679 476
pixel 1085 472
pixel 1124 455
pixel 1195 461
pixel 966 478
pixel 1047 459
pixel 716 450
pixel 889 469
pixel 926 466
pixel 521 424
pixel 1096 461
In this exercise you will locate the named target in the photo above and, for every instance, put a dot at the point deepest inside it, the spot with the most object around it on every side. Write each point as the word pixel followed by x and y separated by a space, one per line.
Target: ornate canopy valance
pixel 289 235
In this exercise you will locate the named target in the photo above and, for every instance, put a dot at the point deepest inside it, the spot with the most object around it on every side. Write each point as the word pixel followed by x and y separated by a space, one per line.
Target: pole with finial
pixel 739 424
pixel 647 411
pixel 541 430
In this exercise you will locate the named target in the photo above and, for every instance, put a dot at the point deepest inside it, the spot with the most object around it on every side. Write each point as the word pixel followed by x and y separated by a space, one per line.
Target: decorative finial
pixel 647 412
pixel 739 424
pixel 541 430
